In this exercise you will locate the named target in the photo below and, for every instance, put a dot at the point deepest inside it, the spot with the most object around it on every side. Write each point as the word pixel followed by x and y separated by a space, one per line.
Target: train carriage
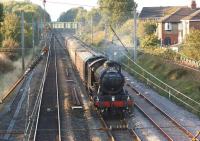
pixel 80 59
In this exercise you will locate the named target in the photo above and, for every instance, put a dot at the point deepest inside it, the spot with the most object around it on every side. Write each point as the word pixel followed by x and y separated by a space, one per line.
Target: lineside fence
pixel 172 56
pixel 164 89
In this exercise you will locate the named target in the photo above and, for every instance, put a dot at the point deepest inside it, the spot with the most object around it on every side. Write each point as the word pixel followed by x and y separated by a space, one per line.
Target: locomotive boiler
pixel 102 77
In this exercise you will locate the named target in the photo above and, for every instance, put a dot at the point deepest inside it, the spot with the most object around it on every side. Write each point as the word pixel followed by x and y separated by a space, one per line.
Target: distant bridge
pixel 64 25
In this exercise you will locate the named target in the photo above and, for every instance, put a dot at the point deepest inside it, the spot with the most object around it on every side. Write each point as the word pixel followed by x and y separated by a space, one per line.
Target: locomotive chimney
pixel 193 4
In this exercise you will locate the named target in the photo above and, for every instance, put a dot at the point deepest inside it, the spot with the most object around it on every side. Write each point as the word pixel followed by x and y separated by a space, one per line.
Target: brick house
pixel 173 22
pixel 191 22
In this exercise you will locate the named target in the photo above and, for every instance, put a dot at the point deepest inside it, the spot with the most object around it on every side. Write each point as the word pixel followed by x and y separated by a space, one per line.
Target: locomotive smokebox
pixel 110 78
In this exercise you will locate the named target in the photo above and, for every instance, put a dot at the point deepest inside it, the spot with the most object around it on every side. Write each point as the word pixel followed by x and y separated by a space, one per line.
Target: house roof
pixel 179 14
pixel 152 12
pixel 170 13
pixel 193 16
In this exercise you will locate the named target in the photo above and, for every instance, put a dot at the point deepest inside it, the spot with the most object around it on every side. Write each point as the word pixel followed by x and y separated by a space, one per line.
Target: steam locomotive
pixel 103 78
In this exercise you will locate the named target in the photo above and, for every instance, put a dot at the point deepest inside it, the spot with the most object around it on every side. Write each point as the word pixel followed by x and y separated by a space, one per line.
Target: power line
pixel 68 3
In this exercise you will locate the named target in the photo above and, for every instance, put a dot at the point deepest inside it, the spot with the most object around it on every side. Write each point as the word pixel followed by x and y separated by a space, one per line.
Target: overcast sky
pixel 56 7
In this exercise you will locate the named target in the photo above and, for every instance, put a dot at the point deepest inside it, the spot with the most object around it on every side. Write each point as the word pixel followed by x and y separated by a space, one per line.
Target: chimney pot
pixel 193 4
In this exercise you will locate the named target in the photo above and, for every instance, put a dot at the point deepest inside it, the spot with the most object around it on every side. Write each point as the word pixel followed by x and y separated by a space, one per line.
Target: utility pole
pixel 106 31
pixel 44 2
pixel 135 31
pixel 22 39
pixel 91 29
pixel 33 36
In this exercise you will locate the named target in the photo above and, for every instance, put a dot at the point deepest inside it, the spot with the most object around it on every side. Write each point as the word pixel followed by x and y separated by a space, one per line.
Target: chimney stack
pixel 193 4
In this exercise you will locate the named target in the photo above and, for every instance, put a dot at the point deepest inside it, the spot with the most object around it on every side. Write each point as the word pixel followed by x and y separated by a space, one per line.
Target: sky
pixel 56 7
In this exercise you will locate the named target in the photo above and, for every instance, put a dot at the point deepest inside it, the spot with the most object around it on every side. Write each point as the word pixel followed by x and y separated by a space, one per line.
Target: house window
pixel 168 26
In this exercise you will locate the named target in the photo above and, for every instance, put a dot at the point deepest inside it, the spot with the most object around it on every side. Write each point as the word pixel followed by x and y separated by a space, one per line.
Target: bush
pixel 191 46
pixel 171 55
pixel 98 38
pixel 10 43
pixel 126 28
pixel 149 41
pixel 5 64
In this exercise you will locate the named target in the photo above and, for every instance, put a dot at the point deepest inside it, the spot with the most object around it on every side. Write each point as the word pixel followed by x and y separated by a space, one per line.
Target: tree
pixel 150 41
pixel 11 27
pixel 70 15
pixel 95 15
pixel 81 15
pixel 146 28
pixel 116 11
pixel 191 46
pixel 150 28
pixel 1 12
pixel 1 20
pixel 146 33
pixel 30 10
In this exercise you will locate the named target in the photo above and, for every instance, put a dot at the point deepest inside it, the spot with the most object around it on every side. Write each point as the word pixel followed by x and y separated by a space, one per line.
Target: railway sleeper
pixel 77 103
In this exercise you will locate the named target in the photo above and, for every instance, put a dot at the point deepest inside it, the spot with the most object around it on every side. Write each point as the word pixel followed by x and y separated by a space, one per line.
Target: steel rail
pixel 57 93
pixel 131 131
pixel 122 127
pixel 37 103
pixel 30 124
pixel 41 93
pixel 57 96
pixel 134 134
pixel 111 137
pixel 187 132
pixel 38 100
pixel 154 123
pixel 172 120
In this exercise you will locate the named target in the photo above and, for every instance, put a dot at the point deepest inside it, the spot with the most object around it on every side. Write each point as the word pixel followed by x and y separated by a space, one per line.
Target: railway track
pixel 168 126
pixel 74 120
pixel 48 120
pixel 117 129
pixel 71 81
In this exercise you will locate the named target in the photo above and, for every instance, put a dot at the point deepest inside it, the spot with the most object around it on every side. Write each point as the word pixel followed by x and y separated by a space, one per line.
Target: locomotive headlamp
pixel 128 98
pixel 97 99
pixel 113 98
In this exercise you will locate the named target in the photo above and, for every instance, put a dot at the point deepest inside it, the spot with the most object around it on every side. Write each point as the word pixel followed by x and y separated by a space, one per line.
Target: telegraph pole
pixel 38 29
pixel 44 2
pixel 135 31
pixel 22 39
pixel 106 31
pixel 33 36
pixel 91 29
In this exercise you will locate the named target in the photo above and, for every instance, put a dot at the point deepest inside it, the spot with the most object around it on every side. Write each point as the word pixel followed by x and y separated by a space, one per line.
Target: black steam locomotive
pixel 103 78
